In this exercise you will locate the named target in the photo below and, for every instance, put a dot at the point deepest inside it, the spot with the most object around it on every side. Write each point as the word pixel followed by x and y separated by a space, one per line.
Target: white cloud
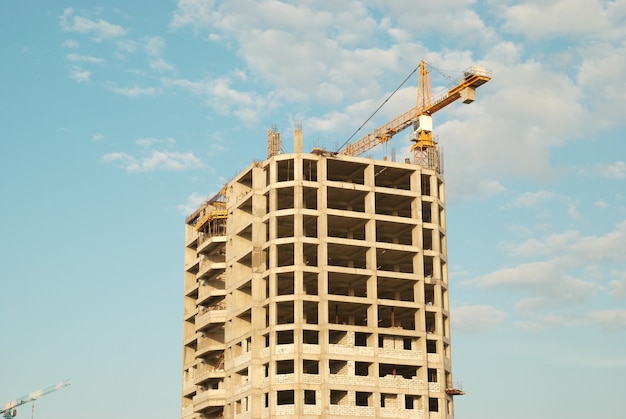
pixel 193 203
pixel 150 142
pixel 550 282
pixel 84 58
pixel 127 45
pixel 155 160
pixel 601 204
pixel 532 199
pixel 476 318
pixel 537 19
pixel 98 28
pixel 613 170
pixel 80 75
pixel 70 44
pixel 97 137
pixel 135 91
pixel 610 319
pixel 223 98
pixel 601 75
pixel 618 287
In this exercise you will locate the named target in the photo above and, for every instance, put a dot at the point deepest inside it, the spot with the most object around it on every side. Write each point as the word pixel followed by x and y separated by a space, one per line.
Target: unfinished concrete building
pixel 316 286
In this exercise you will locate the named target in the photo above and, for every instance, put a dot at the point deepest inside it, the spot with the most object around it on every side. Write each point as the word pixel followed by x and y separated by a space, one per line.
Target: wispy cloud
pixel 220 95
pixel 532 199
pixel 613 170
pixel 70 44
pixel 98 28
pixel 97 137
pixel 618 286
pixel 610 319
pixel 135 91
pixel 476 318
pixel 565 276
pixel 80 75
pixel 84 58
pixel 150 142
pixel 154 160
pixel 193 203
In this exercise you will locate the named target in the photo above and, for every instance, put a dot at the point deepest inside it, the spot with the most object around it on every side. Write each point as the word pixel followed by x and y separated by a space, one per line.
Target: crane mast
pixel 8 409
pixel 420 117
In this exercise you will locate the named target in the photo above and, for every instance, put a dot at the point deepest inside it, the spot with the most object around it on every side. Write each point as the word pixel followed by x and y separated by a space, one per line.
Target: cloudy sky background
pixel 118 119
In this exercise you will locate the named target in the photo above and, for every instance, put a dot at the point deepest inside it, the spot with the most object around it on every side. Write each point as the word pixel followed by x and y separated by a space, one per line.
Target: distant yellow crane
pixel 420 117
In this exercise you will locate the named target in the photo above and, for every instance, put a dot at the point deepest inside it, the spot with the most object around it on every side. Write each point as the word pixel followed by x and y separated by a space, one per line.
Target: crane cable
pixel 376 111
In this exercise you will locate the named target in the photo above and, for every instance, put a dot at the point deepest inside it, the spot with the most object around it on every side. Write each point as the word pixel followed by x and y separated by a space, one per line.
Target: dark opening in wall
pixel 309 397
pixel 284 337
pixel 363 398
pixel 284 397
pixel 310 366
pixel 433 404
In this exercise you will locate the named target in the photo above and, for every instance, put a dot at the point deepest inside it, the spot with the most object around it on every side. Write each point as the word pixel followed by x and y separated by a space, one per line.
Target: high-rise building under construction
pixel 316 286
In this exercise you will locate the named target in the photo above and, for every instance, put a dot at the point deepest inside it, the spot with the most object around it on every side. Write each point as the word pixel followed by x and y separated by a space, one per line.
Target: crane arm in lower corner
pixel 37 394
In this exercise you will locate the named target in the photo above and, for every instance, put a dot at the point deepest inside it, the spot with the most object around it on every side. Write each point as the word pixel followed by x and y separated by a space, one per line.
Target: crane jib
pixel 474 77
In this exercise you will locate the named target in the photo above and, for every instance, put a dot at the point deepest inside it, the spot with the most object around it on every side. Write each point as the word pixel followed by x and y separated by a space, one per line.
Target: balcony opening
pixel 433 404
pixel 309 397
pixel 426 212
pixel 343 171
pixel 284 337
pixel 407 344
pixel 338 397
pixel 285 170
pixel 389 400
pixel 425 185
pixel 309 170
pixel 395 289
pixel 284 284
pixel 362 368
pixel 429 294
pixel 310 312
pixel 432 375
pixel 309 254
pixel 284 397
pixel 285 254
pixel 430 323
pixel 284 312
pixel 309 225
pixel 284 198
pixel 429 267
pixel 405 371
pixel 310 283
pixel 360 338
pixel 338 367
pixel 284 367
pixel 337 337
pixel 363 398
pixel 310 337
pixel 427 239
pixel 391 177
pixel 310 366
pixel 348 285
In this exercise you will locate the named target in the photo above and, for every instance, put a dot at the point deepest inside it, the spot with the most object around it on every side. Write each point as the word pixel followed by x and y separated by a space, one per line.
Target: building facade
pixel 318 289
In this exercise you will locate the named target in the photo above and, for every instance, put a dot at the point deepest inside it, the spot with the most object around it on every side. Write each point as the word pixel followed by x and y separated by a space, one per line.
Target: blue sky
pixel 119 118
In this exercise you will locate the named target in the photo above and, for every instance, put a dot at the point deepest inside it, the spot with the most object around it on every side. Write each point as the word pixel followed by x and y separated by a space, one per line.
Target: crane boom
pixel 473 77
pixel 6 409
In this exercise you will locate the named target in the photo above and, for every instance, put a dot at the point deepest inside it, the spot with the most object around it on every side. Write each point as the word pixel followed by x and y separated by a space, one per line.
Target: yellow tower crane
pixel 420 117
